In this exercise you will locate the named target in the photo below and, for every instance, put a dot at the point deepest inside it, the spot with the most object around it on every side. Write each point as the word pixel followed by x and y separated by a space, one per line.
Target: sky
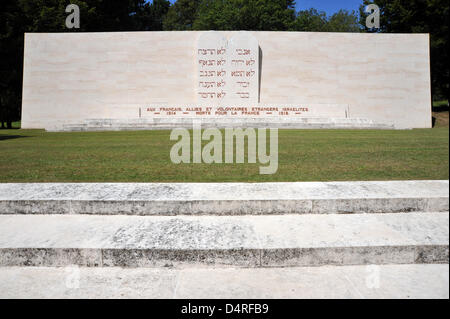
pixel 329 6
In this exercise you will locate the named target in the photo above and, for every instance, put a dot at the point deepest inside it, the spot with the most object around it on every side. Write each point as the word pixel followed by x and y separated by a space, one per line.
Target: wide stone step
pixel 222 199
pixel 225 120
pixel 246 241
pixel 176 122
pixel 373 281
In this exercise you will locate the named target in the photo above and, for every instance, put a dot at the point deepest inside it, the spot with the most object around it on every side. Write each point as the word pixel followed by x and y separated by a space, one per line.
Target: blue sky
pixel 329 6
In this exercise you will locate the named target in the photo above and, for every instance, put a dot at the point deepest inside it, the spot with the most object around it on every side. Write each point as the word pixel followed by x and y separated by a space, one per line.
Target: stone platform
pixel 245 241
pixel 222 199
pixel 324 233
pixel 383 281
pixel 171 123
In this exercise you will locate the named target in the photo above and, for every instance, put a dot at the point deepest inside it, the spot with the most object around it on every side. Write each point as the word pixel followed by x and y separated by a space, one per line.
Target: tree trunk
pixel 1 114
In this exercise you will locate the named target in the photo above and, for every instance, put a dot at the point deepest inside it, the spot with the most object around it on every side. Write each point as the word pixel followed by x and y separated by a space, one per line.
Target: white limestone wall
pixel 69 77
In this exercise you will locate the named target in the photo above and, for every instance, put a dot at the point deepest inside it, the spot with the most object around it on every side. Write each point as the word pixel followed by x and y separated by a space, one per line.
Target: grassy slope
pixel 440 113
pixel 143 156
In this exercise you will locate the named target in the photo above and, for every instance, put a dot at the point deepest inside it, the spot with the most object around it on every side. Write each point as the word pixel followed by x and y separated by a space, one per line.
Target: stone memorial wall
pixel 270 77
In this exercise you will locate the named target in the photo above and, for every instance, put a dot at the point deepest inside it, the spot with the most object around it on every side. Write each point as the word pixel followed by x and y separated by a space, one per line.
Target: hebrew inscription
pixel 212 63
pixel 244 66
pixel 228 71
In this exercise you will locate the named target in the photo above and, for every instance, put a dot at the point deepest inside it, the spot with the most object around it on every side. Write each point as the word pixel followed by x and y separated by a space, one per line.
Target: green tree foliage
pixel 317 21
pixel 420 16
pixel 344 21
pixel 181 15
pixel 11 48
pixel 158 11
pixel 270 15
pixel 310 20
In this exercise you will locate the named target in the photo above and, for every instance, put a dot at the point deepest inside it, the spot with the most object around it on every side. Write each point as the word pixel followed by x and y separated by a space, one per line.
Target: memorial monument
pixel 162 80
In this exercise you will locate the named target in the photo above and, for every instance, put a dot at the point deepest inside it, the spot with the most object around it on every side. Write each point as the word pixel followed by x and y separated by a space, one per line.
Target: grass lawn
pixel 440 113
pixel 442 103
pixel 15 124
pixel 143 156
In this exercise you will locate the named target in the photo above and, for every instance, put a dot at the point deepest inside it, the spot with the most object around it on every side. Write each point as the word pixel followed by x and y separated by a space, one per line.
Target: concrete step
pixel 220 198
pixel 77 128
pixel 372 281
pixel 190 120
pixel 245 241
pixel 176 122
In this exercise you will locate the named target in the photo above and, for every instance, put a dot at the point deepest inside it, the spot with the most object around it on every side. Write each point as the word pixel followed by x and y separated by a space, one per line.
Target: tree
pixel 270 15
pixel 181 15
pixel 344 21
pixel 420 16
pixel 310 20
pixel 11 48
pixel 158 11
pixel 315 21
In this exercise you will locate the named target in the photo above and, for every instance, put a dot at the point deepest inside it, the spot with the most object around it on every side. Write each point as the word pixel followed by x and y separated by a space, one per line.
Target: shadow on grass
pixel 439 109
pixel 10 137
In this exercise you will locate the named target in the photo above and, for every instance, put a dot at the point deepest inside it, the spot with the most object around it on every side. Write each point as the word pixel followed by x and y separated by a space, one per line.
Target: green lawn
pixel 442 103
pixel 16 124
pixel 143 156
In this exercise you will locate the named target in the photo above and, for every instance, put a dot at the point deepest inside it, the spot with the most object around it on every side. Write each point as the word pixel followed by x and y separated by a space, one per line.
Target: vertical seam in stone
pixel 177 284
pixel 353 286
pixel 260 249
pixel 260 258
pixel 414 261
